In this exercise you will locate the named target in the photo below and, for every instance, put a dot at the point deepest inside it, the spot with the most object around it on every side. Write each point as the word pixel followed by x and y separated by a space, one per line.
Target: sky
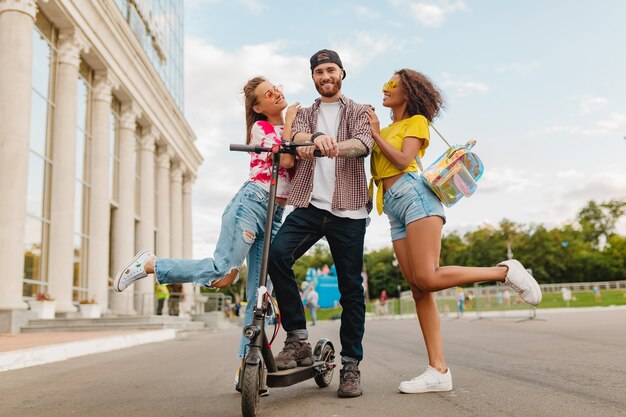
pixel 541 87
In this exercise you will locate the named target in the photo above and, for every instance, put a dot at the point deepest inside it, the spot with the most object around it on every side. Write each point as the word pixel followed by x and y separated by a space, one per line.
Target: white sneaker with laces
pixel 430 381
pixel 522 282
pixel 133 271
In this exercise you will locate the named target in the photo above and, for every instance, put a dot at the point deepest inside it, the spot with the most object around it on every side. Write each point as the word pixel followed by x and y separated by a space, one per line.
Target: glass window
pixel 42 52
pixel 81 108
pixel 35 188
pixel 161 36
pixel 82 182
pixel 39 163
pixel 123 6
pixel 38 123
pixel 33 247
pixel 80 290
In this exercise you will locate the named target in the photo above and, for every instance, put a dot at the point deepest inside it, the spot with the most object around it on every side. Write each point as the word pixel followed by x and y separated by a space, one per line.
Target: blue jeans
pixel 241 237
pixel 301 230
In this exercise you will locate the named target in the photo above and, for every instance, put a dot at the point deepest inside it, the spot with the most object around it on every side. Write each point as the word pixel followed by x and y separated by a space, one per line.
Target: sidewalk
pixel 23 350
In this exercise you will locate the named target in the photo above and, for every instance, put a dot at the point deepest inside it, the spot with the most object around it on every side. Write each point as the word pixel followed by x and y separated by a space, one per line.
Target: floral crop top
pixel 265 134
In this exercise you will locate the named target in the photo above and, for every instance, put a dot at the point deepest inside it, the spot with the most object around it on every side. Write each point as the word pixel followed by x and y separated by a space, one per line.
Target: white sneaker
pixel 430 381
pixel 521 281
pixel 133 271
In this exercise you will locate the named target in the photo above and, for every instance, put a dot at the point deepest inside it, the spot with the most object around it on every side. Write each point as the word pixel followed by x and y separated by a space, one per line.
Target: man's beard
pixel 332 92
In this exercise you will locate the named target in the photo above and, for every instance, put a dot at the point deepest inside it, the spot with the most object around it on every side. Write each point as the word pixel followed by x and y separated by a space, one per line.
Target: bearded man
pixel 331 200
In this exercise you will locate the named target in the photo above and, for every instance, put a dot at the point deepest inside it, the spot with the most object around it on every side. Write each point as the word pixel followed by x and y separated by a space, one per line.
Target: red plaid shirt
pixel 350 182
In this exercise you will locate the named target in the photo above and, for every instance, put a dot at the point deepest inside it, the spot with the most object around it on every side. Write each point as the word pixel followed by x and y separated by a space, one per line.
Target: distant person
pixel 312 299
pixel 500 298
pixel 241 234
pixel 383 303
pixel 460 301
pixel 596 293
pixel 237 306
pixel 469 299
pixel 162 294
pixel 507 298
pixel 567 295
pixel 173 302
pixel 416 217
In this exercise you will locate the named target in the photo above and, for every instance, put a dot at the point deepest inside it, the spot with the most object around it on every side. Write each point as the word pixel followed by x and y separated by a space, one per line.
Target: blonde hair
pixel 250 101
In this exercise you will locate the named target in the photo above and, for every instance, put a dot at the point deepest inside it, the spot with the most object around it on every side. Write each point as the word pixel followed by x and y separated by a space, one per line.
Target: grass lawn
pixel 550 300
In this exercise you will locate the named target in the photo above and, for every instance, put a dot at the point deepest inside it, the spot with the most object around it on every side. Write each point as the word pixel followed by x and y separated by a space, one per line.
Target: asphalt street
pixel 572 364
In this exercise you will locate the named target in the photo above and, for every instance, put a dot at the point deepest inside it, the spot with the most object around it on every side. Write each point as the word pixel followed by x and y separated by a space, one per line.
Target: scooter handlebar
pixel 247 148
pixel 258 149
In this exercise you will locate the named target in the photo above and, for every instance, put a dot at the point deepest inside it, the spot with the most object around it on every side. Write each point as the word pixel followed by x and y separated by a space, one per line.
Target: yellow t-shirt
pixel 394 134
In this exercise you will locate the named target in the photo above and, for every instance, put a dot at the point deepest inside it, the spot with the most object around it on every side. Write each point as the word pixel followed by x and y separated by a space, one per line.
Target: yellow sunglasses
pixel 389 86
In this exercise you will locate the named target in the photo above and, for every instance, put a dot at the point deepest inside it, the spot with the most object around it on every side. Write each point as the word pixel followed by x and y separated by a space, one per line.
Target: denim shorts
pixel 408 200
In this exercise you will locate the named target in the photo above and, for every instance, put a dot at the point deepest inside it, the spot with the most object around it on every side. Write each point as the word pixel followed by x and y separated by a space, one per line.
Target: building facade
pixel 96 157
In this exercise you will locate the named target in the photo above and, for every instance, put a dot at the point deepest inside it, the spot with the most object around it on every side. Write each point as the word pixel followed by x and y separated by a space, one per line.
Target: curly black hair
pixel 423 96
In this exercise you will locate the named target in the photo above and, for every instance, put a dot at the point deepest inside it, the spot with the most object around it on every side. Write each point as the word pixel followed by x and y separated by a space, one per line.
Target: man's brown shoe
pixel 294 353
pixel 349 381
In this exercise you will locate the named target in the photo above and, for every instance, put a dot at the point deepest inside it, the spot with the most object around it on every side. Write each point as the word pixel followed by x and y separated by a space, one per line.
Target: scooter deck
pixel 295 375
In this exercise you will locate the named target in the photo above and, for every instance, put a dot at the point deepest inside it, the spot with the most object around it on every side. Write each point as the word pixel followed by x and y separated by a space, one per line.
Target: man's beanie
pixel 324 56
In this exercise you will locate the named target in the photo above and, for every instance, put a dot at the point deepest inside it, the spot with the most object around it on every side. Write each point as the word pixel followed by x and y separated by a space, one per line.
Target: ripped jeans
pixel 241 237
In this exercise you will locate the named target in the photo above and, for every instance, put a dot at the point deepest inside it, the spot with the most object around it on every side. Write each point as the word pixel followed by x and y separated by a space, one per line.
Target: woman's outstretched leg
pixel 424 243
pixel 242 221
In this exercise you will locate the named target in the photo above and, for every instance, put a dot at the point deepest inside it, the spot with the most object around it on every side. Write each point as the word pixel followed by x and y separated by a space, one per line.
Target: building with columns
pixel 97 160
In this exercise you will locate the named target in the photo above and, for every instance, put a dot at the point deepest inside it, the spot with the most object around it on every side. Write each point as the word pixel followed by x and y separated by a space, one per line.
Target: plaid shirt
pixel 350 182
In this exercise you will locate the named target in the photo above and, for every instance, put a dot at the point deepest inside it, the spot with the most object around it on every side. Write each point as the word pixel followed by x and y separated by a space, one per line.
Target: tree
pixel 599 220
pixel 382 273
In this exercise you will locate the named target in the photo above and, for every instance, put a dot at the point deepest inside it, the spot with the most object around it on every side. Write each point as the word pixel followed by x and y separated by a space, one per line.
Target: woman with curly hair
pixel 416 218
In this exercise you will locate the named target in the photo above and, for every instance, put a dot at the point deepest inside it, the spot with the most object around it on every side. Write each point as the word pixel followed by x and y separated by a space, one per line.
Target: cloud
pixel 254 6
pixel 214 78
pixel 432 14
pixel 590 103
pixel 351 51
pixel 499 180
pixel 570 193
pixel 463 86
pixel 615 123
pixel 366 12
pixel 525 68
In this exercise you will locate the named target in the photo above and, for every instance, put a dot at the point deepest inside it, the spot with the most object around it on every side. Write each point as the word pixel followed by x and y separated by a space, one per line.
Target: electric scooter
pixel 258 370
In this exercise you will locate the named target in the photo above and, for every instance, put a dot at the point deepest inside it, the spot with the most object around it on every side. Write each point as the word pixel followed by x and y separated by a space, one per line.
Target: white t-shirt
pixel 324 176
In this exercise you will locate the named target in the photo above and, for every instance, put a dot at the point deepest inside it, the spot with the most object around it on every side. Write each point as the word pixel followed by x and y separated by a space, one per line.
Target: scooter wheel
pixel 323 380
pixel 250 390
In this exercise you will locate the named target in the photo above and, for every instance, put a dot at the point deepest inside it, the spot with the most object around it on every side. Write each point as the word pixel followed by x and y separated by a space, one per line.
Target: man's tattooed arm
pixel 351 148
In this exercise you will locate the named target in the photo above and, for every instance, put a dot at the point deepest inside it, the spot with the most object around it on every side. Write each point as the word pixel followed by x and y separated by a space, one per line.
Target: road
pixel 573 364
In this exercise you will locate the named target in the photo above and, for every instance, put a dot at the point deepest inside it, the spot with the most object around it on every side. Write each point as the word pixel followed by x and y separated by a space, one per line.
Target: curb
pixel 25 358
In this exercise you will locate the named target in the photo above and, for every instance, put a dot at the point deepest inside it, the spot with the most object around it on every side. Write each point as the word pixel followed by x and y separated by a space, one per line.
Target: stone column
pixel 163 204
pixel 61 254
pixel 176 190
pixel 123 218
pixel 176 216
pixel 144 289
pixel 16 72
pixel 188 182
pixel 190 291
pixel 100 201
